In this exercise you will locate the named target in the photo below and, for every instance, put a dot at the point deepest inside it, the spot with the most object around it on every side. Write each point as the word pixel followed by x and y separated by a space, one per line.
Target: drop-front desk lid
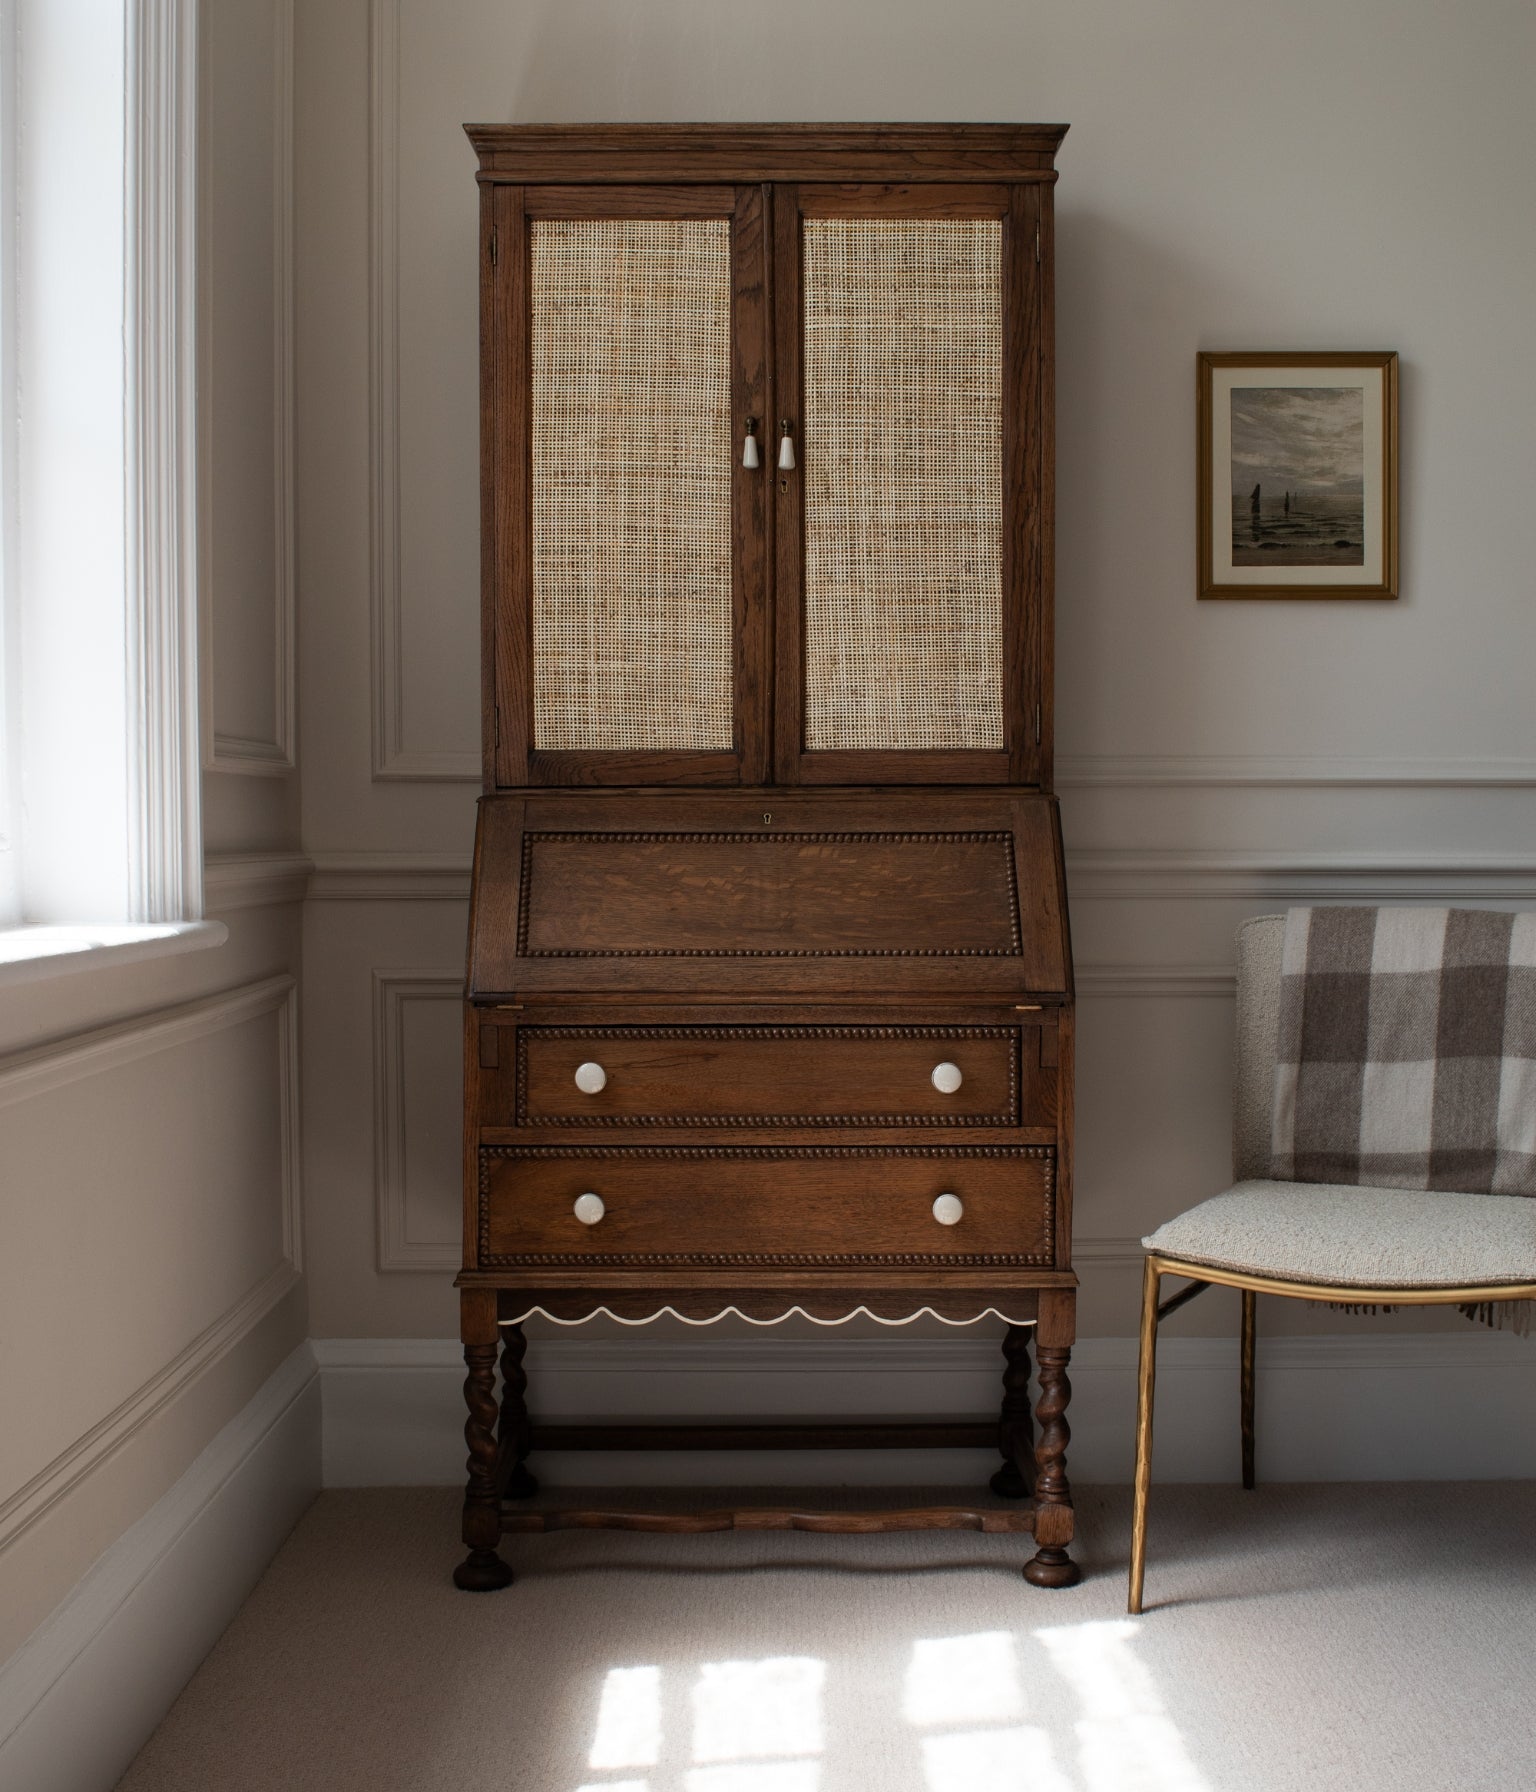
pixel 781 893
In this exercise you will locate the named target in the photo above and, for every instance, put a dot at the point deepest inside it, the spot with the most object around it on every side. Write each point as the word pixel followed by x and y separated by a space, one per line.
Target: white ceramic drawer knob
pixel 947 1077
pixel 947 1209
pixel 591 1079
pixel 589 1209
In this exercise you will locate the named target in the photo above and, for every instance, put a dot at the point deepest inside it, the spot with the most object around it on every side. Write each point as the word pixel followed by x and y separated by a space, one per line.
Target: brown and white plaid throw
pixel 1406 1049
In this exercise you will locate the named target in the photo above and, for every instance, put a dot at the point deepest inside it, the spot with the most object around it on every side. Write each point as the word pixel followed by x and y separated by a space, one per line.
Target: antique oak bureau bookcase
pixel 769 1000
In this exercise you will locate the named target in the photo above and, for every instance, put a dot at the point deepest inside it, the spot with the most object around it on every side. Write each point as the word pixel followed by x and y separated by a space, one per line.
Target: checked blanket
pixel 1406 1049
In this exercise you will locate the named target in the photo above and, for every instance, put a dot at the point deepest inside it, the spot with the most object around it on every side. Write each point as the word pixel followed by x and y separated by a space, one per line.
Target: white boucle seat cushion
pixel 1358 1237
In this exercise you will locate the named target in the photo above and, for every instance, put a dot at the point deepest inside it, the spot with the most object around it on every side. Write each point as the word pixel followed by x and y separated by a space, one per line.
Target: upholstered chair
pixel 1311 1241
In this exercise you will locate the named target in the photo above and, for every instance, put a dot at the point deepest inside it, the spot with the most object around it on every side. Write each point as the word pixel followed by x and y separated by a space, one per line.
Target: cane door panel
pixel 633 579
pixel 906 569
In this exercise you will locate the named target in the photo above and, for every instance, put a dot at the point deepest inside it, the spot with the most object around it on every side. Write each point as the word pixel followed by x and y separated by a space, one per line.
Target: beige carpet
pixel 1297 1638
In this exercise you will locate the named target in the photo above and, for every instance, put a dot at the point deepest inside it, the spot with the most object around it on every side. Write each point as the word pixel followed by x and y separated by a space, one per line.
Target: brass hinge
pixel 1037 724
pixel 1037 244
pixel 493 247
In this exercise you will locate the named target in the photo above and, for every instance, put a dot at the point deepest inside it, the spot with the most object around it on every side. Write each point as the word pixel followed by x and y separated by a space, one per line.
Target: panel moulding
pixel 1093 875
pixel 393 991
pixel 224 752
pixel 392 759
pixel 1247 771
pixel 254 880
pixel 154 1602
pixel 25 1075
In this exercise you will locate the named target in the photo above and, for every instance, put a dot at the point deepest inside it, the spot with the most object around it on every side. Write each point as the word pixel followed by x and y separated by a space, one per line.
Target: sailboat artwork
pixel 1297 487
pixel 1306 444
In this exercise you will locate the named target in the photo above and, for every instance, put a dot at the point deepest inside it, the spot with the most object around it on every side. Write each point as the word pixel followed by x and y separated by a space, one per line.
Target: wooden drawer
pixel 779 1076
pixel 761 1205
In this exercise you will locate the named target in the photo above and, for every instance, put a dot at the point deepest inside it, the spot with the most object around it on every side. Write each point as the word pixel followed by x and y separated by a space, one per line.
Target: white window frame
pixel 10 688
pixel 137 786
pixel 164 755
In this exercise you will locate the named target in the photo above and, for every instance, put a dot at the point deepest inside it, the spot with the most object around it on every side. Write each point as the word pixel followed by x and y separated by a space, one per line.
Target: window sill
pixel 29 954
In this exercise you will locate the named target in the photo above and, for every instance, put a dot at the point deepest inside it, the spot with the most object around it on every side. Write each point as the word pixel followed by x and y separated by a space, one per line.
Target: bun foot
pixel 1008 1483
pixel 1052 1568
pixel 522 1484
pixel 482 1571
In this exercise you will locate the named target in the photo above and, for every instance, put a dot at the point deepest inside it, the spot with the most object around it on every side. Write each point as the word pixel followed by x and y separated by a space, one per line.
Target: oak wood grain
pixel 629 153
pixel 756 1076
pixel 848 895
pixel 792 1205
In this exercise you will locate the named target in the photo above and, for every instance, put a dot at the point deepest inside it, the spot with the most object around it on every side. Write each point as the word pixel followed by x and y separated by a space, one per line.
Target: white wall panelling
pixel 26 1078
pixel 1083 771
pixel 1279 877
pixel 393 757
pixel 1282 878
pixel 131 1634
pixel 254 879
pixel 390 877
pixel 1216 760
pixel 418 1096
pixel 264 746
pixel 150 1225
pixel 1154 980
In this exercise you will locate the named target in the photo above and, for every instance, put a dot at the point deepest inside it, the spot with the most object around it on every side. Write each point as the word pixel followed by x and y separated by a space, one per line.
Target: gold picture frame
pixel 1296 457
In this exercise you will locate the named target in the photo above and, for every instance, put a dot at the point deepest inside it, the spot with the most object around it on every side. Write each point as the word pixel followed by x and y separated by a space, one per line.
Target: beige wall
pixel 149 1198
pixel 1237 175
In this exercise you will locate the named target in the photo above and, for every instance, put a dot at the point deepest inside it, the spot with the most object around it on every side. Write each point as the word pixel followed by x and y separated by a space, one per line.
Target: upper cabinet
pixel 767 431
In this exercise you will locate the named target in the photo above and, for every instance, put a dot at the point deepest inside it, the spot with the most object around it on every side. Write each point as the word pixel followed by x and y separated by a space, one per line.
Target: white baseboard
pixel 1396 1407
pixel 80 1697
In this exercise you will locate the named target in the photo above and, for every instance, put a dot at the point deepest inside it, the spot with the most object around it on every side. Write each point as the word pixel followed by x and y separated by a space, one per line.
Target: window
pixel 99 794
pixel 10 894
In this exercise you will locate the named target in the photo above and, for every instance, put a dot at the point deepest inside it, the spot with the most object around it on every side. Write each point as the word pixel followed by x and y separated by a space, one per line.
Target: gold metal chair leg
pixel 1250 1306
pixel 1151 1287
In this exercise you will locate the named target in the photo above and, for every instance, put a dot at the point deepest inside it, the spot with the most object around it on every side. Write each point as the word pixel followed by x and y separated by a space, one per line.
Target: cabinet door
pixel 908 548
pixel 625 538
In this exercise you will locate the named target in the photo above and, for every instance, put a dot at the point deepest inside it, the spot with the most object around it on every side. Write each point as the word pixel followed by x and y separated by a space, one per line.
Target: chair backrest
pixel 1259 946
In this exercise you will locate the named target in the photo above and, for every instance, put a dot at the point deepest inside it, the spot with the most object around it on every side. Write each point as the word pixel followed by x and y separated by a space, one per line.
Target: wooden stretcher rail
pixel 924 1518
pixel 964 1434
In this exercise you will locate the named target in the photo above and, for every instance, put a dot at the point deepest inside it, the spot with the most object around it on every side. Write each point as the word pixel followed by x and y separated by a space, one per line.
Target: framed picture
pixel 1297 470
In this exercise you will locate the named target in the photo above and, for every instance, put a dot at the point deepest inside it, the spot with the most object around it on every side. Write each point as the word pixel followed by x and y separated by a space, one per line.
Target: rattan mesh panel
pixel 631 484
pixel 903 483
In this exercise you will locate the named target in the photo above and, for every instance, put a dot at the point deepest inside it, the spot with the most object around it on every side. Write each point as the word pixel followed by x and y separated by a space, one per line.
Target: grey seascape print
pixel 1298 466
